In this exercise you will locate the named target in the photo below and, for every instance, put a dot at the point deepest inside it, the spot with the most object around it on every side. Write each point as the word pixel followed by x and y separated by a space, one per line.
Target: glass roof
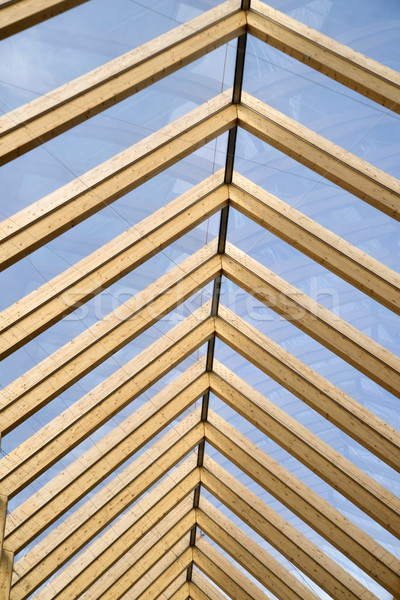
pixel 37 60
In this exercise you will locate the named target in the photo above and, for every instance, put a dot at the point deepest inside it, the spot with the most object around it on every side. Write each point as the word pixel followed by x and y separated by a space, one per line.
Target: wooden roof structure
pixel 155 549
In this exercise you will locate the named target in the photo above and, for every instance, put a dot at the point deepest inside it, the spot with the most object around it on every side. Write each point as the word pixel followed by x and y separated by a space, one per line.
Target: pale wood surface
pixel 278 532
pixel 345 260
pixel 318 51
pixel 63 542
pixel 321 155
pixel 60 109
pixel 69 205
pixel 313 389
pixel 338 530
pixel 329 329
pixel 22 14
pixel 250 555
pixel 74 360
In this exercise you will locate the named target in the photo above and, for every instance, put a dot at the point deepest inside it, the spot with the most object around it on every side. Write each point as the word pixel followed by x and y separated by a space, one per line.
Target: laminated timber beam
pixel 202 589
pixel 346 341
pixel 147 554
pixel 63 542
pixel 116 447
pixel 64 208
pixel 250 555
pixel 321 155
pixel 182 591
pixel 6 568
pixel 99 405
pixel 318 51
pixel 166 586
pixel 64 293
pixel 305 555
pixel 18 15
pixel 313 389
pixel 74 360
pixel 57 111
pixel 222 572
pixel 345 260
pixel 339 531
pixel 153 513
pixel 39 511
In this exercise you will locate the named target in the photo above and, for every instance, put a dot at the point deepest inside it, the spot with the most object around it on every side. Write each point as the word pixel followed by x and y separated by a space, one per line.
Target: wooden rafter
pixel 377 562
pixel 318 51
pixel 202 589
pixel 69 205
pixel 155 510
pixel 229 578
pixel 325 572
pixel 250 555
pixel 351 264
pixel 70 363
pixel 329 329
pixel 336 406
pixel 43 118
pixel 20 14
pixel 321 155
pixel 63 542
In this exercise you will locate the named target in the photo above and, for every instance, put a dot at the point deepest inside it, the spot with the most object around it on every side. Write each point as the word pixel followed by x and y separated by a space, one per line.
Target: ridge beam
pixel 312 239
pixel 56 373
pixel 328 329
pixel 321 516
pixel 322 53
pixel 321 155
pixel 278 532
pixel 250 555
pixel 65 107
pixel 63 542
pixel 332 403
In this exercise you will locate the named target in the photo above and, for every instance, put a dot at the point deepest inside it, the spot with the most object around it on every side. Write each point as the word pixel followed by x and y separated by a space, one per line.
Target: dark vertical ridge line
pixel 223 228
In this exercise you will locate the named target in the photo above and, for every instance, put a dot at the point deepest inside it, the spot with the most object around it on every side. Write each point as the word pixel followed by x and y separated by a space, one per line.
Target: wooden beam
pixel 111 451
pixel 3 516
pixel 96 591
pixel 250 555
pixel 78 472
pixel 318 51
pixel 64 293
pixel 227 577
pixel 202 589
pixel 136 375
pixel 37 513
pixel 63 542
pixel 345 260
pixel 131 248
pixel 336 406
pixel 322 156
pixel 338 530
pixel 47 218
pixel 46 117
pixel 346 341
pixel 144 561
pixel 104 554
pixel 182 592
pixel 74 360
pixel 298 549
pixel 177 563
pixel 20 14
pixel 6 568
